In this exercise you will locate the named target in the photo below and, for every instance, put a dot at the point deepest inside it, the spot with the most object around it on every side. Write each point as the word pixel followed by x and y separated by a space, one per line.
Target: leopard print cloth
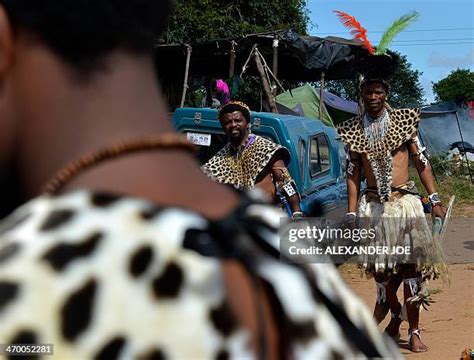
pixel 403 127
pixel 241 168
pixel 109 277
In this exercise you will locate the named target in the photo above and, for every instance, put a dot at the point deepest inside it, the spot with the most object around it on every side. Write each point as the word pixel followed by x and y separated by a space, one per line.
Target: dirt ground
pixel 448 327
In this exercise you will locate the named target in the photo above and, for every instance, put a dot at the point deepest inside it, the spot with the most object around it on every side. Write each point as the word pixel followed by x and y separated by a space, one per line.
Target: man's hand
pixel 350 221
pixel 283 180
pixel 351 225
pixel 297 215
pixel 438 211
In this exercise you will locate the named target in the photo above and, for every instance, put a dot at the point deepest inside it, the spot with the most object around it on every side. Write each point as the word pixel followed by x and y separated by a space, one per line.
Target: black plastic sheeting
pixel 301 58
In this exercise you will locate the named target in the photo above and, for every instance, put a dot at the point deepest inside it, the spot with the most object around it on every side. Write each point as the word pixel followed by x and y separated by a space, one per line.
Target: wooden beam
pixel 189 50
pixel 232 60
pixel 275 64
pixel 266 85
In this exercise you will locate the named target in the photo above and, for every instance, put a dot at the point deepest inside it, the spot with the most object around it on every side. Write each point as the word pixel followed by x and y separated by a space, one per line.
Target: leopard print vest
pixel 402 127
pixel 241 168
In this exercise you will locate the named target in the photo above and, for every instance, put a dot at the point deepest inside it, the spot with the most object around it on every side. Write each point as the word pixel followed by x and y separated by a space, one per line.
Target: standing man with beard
pixel 381 142
pixel 249 160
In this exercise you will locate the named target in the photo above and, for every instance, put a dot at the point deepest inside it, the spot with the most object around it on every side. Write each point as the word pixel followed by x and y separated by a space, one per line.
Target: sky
pixel 439 42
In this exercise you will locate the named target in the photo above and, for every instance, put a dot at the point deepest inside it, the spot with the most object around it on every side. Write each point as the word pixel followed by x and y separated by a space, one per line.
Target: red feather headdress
pixel 357 31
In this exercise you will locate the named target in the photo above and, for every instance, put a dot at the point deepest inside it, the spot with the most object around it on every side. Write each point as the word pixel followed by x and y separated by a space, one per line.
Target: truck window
pixel 319 155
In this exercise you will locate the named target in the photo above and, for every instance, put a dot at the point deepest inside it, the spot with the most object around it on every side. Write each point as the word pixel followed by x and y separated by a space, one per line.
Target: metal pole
pixel 464 147
pixel 321 96
pixel 189 50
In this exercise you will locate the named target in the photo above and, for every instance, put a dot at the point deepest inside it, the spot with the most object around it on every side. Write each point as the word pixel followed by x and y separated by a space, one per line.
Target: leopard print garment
pixel 241 168
pixel 403 127
pixel 108 277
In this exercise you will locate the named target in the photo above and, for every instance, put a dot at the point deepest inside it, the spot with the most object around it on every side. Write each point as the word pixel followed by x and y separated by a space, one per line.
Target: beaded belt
pixel 407 188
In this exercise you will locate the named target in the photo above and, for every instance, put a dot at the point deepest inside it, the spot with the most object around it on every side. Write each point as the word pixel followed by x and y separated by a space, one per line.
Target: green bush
pixel 452 178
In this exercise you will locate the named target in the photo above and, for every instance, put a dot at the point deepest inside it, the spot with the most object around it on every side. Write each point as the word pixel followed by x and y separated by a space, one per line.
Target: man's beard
pixel 11 195
pixel 237 138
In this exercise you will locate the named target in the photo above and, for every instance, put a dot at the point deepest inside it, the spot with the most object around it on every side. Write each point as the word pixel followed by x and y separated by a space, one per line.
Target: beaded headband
pixel 235 106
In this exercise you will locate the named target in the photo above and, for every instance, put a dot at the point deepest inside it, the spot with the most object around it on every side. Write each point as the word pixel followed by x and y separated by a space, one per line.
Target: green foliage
pixel 405 87
pixel 457 86
pixel 198 20
pixel 397 26
pixel 250 91
pixel 201 20
pixel 346 89
pixel 452 178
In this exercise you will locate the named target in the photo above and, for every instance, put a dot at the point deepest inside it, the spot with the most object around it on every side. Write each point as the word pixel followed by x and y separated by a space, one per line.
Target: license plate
pixel 199 138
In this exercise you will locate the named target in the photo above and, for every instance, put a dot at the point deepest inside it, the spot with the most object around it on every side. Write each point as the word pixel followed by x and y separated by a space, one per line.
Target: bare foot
pixel 415 343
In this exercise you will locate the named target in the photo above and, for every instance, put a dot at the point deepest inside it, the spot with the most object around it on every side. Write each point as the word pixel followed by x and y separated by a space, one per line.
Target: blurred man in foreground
pixel 150 259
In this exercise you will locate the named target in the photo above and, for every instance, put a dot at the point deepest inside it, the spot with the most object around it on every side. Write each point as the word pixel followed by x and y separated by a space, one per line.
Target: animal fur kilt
pixel 399 223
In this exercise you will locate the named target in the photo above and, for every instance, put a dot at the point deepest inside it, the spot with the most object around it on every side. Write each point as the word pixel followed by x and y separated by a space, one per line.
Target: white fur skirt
pixel 401 236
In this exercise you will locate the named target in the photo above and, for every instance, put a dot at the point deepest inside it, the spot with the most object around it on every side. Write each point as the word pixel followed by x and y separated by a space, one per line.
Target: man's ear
pixel 6 42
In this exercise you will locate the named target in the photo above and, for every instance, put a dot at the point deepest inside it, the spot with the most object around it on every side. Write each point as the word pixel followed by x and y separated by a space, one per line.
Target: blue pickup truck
pixel 317 157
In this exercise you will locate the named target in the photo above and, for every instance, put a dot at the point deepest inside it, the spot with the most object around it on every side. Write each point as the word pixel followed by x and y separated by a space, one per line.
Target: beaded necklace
pixel 163 142
pixel 238 154
pixel 375 129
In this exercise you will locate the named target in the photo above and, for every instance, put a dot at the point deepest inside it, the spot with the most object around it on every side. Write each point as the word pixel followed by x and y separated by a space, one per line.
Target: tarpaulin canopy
pixel 302 58
pixel 305 101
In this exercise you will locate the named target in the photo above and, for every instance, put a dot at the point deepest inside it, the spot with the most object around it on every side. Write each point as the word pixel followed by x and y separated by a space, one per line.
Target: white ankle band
pixel 413 332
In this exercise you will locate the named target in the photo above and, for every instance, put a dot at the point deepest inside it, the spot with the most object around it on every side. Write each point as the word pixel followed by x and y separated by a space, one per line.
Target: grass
pixel 435 291
pixel 451 179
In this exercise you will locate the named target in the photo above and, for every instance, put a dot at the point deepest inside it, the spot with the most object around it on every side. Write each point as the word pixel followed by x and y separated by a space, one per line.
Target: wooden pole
pixel 189 50
pixel 209 92
pixel 360 78
pixel 232 60
pixel 266 85
pixel 275 63
pixel 321 96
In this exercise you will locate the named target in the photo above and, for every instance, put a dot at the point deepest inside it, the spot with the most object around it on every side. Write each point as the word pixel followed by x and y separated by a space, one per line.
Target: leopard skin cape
pixel 109 276
pixel 403 127
pixel 240 168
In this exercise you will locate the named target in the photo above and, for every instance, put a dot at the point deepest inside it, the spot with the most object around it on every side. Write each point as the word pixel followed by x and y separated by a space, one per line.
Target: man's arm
pixel 286 185
pixel 425 172
pixel 353 180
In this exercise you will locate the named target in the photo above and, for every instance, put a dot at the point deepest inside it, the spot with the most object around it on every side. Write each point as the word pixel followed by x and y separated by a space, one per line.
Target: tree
pixel 201 20
pixel 458 86
pixel 198 20
pixel 405 87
